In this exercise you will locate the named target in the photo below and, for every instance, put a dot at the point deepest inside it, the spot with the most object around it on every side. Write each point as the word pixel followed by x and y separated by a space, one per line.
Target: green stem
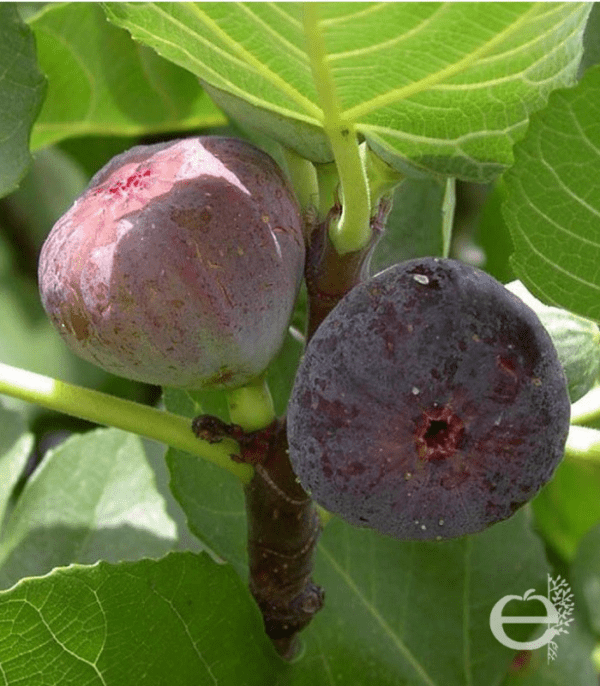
pixel 328 181
pixel 353 231
pixel 304 179
pixel 251 406
pixel 382 178
pixel 448 207
pixel 101 408
pixel 583 443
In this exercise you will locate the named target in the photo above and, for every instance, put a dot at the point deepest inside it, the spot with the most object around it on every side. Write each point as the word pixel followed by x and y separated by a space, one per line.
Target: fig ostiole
pixel 179 265
pixel 430 403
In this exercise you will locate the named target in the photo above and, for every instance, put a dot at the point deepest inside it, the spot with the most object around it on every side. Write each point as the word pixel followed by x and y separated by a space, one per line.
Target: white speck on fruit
pixel 415 390
pixel 441 522
pixel 423 527
pixel 421 278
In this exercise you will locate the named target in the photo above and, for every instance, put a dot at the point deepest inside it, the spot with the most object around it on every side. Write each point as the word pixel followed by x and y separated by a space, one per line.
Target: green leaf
pixel 94 497
pixel 553 202
pixel 212 499
pixel 22 89
pixel 441 88
pixel 493 236
pixel 27 338
pixel 416 613
pixel 179 620
pixel 414 225
pixel 47 192
pixel 591 44
pixel 572 665
pixel 586 577
pixel 15 447
pixel 101 82
pixel 568 505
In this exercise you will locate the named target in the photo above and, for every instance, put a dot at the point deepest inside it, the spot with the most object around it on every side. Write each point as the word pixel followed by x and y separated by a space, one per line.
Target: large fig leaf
pixel 444 88
pixel 552 204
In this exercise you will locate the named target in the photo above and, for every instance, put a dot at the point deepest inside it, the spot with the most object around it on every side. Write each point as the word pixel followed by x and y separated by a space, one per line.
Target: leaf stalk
pixel 353 231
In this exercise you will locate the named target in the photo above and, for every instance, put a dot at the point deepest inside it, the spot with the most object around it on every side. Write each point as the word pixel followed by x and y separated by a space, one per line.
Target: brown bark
pixel 283 530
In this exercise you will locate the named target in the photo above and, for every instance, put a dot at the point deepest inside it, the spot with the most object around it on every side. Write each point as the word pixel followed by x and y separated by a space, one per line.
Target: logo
pixel 558 605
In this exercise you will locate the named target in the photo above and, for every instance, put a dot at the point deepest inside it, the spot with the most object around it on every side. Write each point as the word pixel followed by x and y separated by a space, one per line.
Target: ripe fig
pixel 430 403
pixel 179 265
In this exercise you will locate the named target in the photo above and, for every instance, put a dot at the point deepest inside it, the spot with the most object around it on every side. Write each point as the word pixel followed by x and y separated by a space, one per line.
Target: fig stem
pixel 102 408
pixel 353 231
pixel 251 406
pixel 330 276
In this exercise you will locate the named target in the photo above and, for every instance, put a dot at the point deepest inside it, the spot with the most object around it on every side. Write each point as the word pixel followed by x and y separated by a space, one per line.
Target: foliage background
pixel 413 613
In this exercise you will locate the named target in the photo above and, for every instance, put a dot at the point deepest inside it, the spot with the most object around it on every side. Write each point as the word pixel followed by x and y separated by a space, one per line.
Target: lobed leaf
pixel 443 88
pixel 553 200
pixel 102 82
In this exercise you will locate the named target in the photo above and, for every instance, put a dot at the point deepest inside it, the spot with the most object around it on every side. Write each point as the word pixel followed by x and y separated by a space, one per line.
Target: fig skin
pixel 179 265
pixel 430 403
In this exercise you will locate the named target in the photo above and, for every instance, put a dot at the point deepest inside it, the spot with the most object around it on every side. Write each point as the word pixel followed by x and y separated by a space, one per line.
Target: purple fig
pixel 179 265
pixel 430 403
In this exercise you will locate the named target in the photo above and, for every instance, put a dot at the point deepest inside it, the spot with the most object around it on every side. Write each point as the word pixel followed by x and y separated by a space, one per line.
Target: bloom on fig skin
pixel 179 265
pixel 430 403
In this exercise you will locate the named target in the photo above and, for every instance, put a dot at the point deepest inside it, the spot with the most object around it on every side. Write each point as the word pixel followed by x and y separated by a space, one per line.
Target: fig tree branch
pixel 102 408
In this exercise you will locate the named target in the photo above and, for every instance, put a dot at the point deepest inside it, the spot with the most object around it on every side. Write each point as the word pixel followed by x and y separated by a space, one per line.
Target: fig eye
pixel 439 434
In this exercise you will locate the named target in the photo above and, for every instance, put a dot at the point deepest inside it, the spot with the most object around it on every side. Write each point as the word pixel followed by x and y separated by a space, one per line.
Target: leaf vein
pixel 384 99
pixel 374 612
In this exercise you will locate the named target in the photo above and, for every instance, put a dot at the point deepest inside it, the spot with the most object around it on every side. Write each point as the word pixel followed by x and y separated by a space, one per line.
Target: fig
pixel 179 265
pixel 430 403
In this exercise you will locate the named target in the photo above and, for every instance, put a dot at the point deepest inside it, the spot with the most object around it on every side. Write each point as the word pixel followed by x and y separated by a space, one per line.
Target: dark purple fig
pixel 430 403
pixel 179 265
